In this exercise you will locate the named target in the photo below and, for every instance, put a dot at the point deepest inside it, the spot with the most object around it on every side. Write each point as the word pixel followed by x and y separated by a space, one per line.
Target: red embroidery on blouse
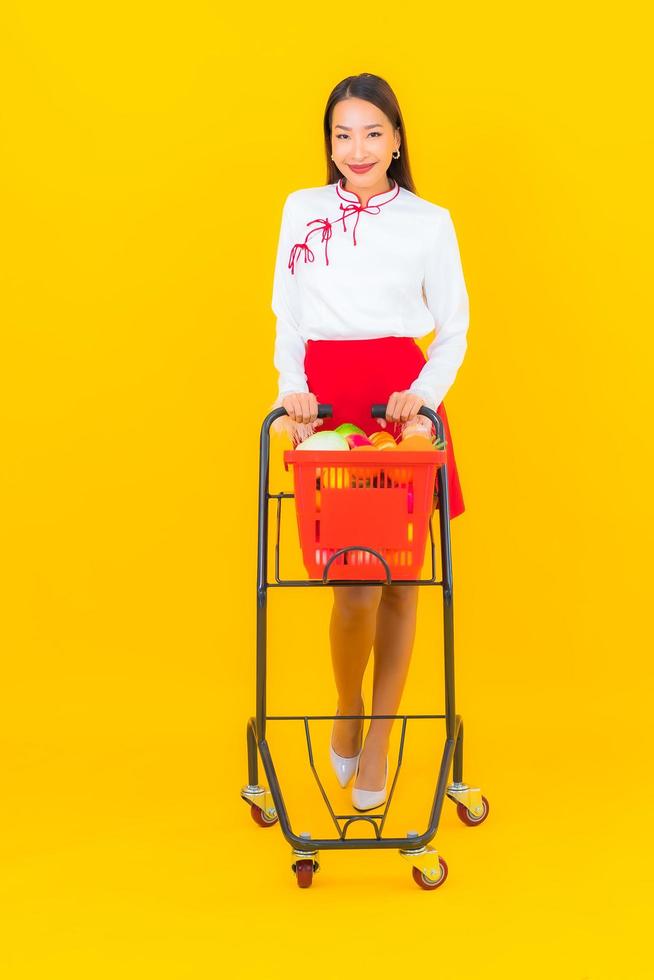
pixel 326 225
pixel 299 247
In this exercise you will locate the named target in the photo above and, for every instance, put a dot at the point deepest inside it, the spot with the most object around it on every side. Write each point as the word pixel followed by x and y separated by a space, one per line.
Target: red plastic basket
pixel 379 499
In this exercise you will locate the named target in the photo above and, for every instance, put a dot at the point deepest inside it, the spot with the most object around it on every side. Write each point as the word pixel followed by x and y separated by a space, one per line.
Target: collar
pixel 374 201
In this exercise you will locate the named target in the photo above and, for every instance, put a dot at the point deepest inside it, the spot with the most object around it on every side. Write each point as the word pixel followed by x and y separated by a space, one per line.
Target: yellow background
pixel 146 153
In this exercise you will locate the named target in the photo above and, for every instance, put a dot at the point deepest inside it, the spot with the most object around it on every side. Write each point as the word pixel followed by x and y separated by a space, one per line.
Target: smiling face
pixel 363 135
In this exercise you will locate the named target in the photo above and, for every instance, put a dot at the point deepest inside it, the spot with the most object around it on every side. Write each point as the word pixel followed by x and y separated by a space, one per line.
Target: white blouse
pixel 347 272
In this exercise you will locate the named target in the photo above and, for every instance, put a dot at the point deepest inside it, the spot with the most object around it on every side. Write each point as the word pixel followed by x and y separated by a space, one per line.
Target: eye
pixel 345 136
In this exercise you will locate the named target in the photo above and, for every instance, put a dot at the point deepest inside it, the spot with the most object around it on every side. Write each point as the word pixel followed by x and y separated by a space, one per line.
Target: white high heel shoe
pixel 345 766
pixel 368 799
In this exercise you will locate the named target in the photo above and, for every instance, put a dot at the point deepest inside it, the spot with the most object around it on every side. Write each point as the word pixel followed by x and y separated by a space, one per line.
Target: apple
pixel 355 441
pixel 349 428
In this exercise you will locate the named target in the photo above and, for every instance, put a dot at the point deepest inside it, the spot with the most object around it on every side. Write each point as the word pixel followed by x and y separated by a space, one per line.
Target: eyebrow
pixel 371 126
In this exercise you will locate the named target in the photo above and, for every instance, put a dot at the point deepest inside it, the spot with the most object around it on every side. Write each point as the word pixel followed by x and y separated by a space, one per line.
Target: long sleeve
pixel 290 348
pixel 447 300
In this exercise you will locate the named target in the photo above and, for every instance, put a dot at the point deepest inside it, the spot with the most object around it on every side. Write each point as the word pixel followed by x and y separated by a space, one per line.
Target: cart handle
pixel 379 412
pixel 325 411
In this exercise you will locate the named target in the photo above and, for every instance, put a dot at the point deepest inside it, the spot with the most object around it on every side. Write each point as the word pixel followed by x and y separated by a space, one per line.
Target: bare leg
pixel 351 631
pixel 393 643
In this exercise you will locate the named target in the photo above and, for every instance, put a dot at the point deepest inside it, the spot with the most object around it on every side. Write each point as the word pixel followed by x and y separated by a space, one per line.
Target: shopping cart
pixel 363 516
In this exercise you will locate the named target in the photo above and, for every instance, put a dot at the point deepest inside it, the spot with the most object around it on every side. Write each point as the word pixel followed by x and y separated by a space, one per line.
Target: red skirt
pixel 352 375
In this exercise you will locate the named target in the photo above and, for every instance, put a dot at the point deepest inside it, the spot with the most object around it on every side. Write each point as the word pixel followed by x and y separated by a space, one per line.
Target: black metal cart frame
pixel 471 805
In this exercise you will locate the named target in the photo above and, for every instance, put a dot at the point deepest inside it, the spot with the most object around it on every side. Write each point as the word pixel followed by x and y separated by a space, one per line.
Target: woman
pixel 364 266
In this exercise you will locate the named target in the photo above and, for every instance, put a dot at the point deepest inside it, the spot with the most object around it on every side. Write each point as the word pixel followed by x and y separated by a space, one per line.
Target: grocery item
pixel 349 428
pixel 355 440
pixel 383 440
pixel 415 428
pixel 414 443
pixel 329 440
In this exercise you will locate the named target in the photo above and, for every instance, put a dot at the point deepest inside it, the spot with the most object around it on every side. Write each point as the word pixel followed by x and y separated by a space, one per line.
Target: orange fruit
pixel 382 439
pixel 416 443
pixel 415 429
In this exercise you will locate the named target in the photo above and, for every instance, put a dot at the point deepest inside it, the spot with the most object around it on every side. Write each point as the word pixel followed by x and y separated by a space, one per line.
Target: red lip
pixel 360 170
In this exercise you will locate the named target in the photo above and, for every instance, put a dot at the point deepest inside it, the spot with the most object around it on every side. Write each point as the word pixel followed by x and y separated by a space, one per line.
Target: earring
pixel 398 154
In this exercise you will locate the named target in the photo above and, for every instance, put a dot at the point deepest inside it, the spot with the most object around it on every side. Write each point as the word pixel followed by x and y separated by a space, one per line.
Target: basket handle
pixel 379 412
pixel 357 547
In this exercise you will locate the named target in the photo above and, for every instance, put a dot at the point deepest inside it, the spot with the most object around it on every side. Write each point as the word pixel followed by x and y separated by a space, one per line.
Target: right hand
pixel 302 406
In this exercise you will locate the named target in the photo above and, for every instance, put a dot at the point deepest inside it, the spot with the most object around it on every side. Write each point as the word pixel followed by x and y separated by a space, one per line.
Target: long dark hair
pixel 373 89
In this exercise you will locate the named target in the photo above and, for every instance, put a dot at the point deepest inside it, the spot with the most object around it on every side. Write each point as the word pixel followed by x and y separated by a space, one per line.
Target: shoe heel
pixel 344 766
pixel 368 799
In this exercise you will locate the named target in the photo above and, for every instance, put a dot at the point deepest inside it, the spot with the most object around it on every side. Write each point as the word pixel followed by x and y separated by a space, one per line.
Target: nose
pixel 360 150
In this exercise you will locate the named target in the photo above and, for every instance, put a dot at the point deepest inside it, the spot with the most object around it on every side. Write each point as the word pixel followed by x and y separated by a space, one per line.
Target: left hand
pixel 402 406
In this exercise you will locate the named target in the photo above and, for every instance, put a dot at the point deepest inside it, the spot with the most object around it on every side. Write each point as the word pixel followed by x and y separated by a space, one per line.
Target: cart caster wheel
pixel 426 883
pixel 469 818
pixel 303 870
pixel 260 817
